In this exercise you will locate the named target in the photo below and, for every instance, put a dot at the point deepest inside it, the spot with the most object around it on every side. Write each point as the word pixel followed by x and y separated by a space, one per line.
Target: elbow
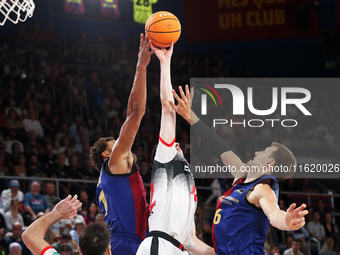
pixel 25 237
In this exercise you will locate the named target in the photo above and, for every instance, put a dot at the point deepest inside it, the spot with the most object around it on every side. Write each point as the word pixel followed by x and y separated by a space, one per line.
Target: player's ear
pixel 106 154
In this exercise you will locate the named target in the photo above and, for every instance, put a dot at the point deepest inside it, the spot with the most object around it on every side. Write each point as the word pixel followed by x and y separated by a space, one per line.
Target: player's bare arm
pixel 121 159
pixel 264 197
pixel 34 235
pixel 168 118
pixel 183 108
pixel 199 247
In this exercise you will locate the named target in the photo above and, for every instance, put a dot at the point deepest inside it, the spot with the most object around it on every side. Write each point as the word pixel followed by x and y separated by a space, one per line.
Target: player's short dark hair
pixel 97 150
pixel 94 239
pixel 284 157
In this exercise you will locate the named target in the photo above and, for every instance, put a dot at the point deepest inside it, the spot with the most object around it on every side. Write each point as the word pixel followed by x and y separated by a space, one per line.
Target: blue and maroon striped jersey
pixel 121 198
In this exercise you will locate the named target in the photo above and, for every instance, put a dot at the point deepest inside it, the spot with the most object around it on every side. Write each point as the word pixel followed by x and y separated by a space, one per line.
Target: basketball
pixel 162 28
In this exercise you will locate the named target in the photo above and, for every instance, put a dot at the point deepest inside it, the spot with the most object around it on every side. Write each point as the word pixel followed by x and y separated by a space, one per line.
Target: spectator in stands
pixel 12 140
pixel 77 120
pixel 32 123
pixel 20 168
pixel 34 202
pixel 75 173
pixel 329 247
pixel 14 122
pixel 48 159
pixel 75 232
pixel 65 142
pixel 32 143
pixel 315 228
pixel 288 243
pixel 331 229
pixel 12 106
pixel 50 193
pixel 6 156
pixel 84 199
pixel 301 235
pixel 90 174
pixel 320 207
pixel 48 120
pixel 100 219
pixel 65 249
pixel 4 169
pixel 295 249
pixel 274 250
pixel 84 141
pixel 8 195
pixel 15 236
pixel 15 249
pixel 64 131
pixel 92 213
pixel 34 167
pixel 13 215
pixel 57 149
pixel 64 239
pixel 207 233
pixel 15 152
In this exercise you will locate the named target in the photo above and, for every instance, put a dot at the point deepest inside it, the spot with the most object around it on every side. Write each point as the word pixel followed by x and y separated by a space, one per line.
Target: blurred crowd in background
pixel 58 96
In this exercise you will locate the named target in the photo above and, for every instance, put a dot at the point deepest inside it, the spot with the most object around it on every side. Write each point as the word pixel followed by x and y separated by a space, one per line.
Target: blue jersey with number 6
pixel 240 227
pixel 122 201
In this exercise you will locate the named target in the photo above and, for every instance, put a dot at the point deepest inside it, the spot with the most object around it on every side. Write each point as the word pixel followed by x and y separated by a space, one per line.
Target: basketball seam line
pixel 162 32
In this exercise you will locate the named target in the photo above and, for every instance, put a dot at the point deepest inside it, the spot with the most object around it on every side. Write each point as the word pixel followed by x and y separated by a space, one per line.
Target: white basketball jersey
pixel 173 196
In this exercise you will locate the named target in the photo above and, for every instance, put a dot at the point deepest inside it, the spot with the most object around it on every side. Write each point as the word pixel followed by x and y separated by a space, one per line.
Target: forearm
pixel 137 99
pixel 168 119
pixel 278 220
pixel 210 138
pixel 34 235
pixel 201 248
pixel 166 87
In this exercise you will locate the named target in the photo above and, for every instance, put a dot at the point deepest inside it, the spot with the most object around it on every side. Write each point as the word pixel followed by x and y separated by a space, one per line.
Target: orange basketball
pixel 162 28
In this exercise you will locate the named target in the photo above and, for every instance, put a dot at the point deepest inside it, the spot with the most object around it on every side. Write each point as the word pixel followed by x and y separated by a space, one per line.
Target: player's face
pixel 178 148
pixel 262 157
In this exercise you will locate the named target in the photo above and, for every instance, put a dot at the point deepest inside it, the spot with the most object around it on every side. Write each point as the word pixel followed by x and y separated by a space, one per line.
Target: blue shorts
pixel 123 243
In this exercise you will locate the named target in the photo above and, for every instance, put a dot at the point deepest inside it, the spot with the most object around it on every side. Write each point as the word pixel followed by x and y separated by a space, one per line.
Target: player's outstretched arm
pixel 135 112
pixel 214 142
pixel 199 247
pixel 33 236
pixel 292 219
pixel 168 117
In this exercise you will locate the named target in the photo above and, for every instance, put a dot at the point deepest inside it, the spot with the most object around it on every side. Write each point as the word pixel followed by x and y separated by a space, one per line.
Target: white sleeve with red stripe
pixel 49 250
pixel 165 152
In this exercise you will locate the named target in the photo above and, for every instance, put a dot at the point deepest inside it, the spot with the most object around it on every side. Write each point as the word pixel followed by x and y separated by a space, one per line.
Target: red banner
pixel 225 20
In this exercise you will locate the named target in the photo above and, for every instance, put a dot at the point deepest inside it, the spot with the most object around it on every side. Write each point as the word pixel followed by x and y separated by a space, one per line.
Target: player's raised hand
pixel 163 54
pixel 144 51
pixel 68 207
pixel 295 216
pixel 183 106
